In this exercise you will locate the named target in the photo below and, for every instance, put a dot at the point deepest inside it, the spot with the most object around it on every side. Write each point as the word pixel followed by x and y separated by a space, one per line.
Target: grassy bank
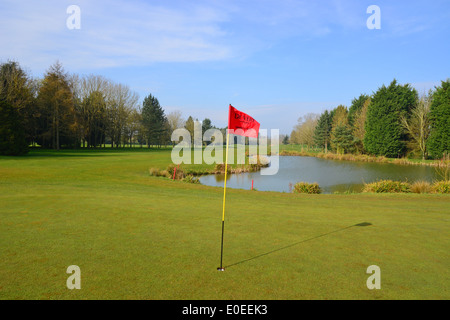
pixel 135 236
pixel 297 150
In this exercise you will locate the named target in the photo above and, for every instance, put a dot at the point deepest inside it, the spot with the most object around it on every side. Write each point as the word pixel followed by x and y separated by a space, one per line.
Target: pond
pixel 331 175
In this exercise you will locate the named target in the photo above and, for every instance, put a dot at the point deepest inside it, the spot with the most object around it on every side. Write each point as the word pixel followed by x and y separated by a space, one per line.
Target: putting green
pixel 140 237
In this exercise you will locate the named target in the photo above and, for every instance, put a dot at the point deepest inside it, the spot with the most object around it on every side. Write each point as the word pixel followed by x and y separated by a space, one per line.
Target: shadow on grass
pixel 362 224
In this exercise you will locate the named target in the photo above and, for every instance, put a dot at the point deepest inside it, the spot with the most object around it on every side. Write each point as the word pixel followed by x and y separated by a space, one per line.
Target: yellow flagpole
pixel 225 182
pixel 221 268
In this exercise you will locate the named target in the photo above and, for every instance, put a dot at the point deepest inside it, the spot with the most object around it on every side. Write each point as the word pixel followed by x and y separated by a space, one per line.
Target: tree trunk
pixel 57 133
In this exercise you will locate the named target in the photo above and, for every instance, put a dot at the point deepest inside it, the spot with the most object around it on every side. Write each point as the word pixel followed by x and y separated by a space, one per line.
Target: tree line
pixel 393 122
pixel 64 110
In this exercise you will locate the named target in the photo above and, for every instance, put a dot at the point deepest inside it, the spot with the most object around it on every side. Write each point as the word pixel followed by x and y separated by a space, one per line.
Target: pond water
pixel 331 175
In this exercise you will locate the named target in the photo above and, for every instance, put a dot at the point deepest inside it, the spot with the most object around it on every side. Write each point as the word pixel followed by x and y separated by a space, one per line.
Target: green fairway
pixel 135 236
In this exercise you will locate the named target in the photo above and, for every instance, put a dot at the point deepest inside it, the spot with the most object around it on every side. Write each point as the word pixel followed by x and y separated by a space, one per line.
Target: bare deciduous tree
pixel 303 132
pixel 359 122
pixel 418 125
pixel 175 120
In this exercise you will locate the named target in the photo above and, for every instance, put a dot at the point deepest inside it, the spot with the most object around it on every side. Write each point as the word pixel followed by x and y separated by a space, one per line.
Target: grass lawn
pixel 140 237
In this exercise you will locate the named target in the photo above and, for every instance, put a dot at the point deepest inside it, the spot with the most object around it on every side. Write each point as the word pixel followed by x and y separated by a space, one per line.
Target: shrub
pixel 402 161
pixel 171 168
pixel 387 186
pixel 441 187
pixel 220 168
pixel 443 167
pixel 421 187
pixel 180 174
pixel 191 179
pixel 305 187
pixel 164 173
pixel 158 173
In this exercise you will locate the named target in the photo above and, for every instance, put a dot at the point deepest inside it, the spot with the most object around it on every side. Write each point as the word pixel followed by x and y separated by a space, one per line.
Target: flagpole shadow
pixel 362 224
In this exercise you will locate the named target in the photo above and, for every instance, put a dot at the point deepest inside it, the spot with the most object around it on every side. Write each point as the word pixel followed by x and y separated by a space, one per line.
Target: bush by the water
pixel 259 162
pixel 158 172
pixel 421 187
pixel 305 187
pixel 441 187
pixel 220 168
pixel 191 179
pixel 387 186
pixel 169 173
pixel 179 174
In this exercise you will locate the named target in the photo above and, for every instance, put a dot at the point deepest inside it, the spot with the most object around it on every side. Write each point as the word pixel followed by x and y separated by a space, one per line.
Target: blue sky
pixel 276 60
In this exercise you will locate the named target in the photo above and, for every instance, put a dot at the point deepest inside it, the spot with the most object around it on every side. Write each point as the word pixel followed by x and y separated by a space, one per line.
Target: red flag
pixel 239 120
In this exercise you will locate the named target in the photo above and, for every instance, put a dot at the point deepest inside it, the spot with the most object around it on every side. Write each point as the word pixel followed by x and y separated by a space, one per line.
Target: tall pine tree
pixel 439 140
pixel 342 139
pixel 56 109
pixel 153 120
pixel 323 130
pixel 341 135
pixel 356 107
pixel 385 135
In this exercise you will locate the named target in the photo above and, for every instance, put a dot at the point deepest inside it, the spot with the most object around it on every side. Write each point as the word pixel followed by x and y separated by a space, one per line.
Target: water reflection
pixel 331 175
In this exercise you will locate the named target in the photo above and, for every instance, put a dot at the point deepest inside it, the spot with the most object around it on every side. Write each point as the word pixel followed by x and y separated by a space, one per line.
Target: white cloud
pixel 140 33
pixel 124 33
pixel 112 34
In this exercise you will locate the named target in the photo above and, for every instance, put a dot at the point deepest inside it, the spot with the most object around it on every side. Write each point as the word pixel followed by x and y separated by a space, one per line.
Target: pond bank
pixel 365 158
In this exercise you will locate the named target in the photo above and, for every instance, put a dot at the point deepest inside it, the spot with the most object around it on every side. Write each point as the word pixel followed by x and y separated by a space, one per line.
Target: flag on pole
pixel 243 125
pixel 240 120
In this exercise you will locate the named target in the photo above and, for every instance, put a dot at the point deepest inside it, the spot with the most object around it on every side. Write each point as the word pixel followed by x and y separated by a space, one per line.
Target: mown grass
pixel 135 236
